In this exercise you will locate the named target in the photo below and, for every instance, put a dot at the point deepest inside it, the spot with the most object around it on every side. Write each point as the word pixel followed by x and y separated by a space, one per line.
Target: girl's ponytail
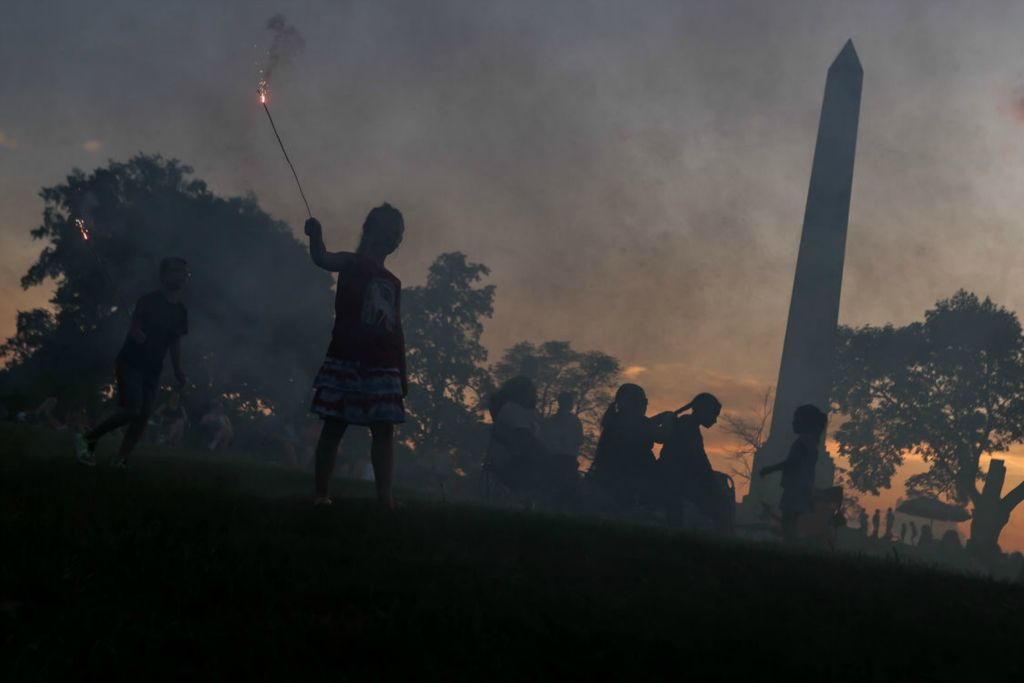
pixel 702 400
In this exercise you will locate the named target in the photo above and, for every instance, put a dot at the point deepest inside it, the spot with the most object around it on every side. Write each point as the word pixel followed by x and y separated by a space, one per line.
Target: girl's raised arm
pixel 335 261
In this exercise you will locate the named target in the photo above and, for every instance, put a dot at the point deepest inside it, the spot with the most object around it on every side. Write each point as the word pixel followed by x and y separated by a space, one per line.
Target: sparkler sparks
pixel 262 90
pixel 80 224
pixel 286 43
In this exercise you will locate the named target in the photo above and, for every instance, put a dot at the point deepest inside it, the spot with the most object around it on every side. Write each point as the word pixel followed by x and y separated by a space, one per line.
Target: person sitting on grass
pixel 798 468
pixel 363 378
pixel 516 455
pixel 159 321
pixel 562 434
pixel 218 426
pixel 624 463
pixel 172 420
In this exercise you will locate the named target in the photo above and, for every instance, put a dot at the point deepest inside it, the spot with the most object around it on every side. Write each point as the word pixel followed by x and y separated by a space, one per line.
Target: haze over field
pixel 635 179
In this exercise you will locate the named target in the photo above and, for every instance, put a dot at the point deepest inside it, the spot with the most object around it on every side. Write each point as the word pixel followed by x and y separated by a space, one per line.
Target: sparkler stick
pixel 263 100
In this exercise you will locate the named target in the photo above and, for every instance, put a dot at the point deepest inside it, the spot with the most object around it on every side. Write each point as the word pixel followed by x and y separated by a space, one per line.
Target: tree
pixel 752 432
pixel 443 321
pixel 949 389
pixel 259 312
pixel 555 367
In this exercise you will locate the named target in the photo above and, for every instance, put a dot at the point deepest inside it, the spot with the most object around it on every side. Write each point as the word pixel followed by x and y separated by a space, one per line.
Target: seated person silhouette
pixel 562 434
pixel 516 456
pixel 685 472
pixel 624 464
pixel 171 420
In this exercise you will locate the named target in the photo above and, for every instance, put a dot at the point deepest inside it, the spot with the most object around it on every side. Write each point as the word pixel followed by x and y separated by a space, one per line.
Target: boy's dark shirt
pixel 162 322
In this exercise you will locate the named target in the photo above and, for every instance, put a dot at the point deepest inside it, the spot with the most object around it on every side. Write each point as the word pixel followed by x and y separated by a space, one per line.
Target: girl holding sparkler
pixel 363 379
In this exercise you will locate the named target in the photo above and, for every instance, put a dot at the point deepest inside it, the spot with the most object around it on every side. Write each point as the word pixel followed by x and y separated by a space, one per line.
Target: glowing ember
pixel 80 224
pixel 262 90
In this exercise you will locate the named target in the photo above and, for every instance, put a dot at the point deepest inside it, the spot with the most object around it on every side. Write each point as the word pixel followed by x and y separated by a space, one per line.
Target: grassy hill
pixel 190 568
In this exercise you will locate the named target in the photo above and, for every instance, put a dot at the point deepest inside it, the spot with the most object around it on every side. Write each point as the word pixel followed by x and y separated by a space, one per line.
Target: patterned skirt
pixel 351 392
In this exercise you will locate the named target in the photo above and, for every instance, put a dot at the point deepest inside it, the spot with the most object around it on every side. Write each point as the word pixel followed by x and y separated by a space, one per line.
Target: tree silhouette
pixel 751 432
pixel 443 321
pixel 949 389
pixel 259 313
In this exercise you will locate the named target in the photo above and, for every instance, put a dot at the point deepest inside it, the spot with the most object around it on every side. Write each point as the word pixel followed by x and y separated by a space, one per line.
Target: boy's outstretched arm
pixel 334 261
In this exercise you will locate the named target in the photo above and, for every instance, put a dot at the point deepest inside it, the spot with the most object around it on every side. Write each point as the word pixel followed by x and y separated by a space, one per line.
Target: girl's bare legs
pixel 382 453
pixel 326 451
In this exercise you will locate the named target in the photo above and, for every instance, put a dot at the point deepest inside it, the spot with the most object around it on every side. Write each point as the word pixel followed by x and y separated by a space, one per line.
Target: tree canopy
pixel 443 321
pixel 259 313
pixel 949 389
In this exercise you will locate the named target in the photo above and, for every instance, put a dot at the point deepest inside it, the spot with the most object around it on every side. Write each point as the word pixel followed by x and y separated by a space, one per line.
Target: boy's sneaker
pixel 85 450
pixel 119 464
pixel 322 501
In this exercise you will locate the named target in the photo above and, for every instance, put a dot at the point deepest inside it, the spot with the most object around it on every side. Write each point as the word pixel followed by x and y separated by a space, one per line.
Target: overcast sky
pixel 633 173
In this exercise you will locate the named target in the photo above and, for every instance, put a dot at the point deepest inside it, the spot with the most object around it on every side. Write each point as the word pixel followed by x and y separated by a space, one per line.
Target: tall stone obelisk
pixel 805 375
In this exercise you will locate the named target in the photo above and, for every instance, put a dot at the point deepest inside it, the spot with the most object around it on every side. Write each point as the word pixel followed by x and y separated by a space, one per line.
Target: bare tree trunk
pixel 990 514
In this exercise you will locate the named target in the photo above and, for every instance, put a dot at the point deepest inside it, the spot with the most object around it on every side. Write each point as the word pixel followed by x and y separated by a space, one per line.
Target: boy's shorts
pixel 136 390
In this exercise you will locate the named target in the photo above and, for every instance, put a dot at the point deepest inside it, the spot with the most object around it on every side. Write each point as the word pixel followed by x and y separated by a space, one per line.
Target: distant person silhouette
pixel 903 532
pixel 562 434
pixel 363 378
pixel 624 463
pixel 926 535
pixel 516 454
pixel 171 420
pixel 684 468
pixel 950 541
pixel 913 533
pixel 218 427
pixel 890 520
pixel 875 523
pixel 863 518
pixel 159 321
pixel 798 468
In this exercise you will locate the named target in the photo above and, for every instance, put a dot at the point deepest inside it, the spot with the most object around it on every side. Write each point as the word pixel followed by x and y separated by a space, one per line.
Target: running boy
pixel 158 324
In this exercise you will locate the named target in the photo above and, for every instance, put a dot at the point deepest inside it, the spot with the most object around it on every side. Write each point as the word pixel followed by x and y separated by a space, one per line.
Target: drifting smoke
pixel 1016 103
pixel 287 43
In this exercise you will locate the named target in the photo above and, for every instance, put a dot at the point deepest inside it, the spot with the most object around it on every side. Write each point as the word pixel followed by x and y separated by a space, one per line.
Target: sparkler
pixel 262 90
pixel 83 229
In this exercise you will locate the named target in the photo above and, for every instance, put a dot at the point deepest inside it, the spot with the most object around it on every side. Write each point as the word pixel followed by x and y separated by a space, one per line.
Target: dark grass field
pixel 187 569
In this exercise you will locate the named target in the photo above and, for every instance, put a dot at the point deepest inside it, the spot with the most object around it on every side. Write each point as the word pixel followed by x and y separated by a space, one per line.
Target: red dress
pixel 363 377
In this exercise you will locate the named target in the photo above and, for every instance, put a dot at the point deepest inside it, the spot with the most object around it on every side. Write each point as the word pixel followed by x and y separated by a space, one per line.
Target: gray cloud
pixel 635 176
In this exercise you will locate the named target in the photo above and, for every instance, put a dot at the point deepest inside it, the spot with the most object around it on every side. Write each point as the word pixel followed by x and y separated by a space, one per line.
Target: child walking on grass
pixel 798 468
pixel 362 380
